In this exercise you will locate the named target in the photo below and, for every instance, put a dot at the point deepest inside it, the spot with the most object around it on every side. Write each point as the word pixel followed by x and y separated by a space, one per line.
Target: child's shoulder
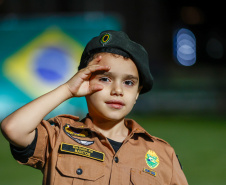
pixel 136 126
pixel 161 145
pixel 63 119
pixel 160 140
pixel 68 116
pixel 65 116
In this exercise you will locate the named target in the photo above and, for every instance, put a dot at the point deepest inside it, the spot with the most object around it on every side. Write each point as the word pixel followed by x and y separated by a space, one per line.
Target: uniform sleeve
pixel 47 132
pixel 178 177
pixel 23 154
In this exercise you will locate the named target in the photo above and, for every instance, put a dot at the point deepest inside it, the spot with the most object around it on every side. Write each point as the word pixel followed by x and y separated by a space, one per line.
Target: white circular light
pixel 185 47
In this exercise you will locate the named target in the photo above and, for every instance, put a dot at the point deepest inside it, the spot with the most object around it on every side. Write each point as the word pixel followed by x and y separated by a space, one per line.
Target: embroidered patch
pixel 105 39
pixel 71 132
pixel 150 172
pixel 76 132
pixel 82 151
pixel 152 159
pixel 82 142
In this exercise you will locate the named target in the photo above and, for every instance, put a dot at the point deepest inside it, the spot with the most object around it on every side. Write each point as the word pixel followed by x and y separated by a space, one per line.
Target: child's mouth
pixel 116 104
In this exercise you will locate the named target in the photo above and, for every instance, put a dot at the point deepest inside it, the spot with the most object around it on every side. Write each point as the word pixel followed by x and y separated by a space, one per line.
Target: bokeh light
pixel 185 47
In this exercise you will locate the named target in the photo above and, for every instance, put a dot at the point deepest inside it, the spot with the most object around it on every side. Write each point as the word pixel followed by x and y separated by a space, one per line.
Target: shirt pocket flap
pixel 139 177
pixel 86 169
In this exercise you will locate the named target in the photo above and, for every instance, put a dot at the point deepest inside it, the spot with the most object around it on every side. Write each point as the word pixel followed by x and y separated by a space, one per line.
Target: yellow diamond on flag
pixel 45 63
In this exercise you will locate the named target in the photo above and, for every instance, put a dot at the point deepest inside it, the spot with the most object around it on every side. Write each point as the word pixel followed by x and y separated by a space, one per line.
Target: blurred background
pixel 41 44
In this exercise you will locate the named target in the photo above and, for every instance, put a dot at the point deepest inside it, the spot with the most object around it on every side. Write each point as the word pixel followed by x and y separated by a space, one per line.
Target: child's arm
pixel 19 127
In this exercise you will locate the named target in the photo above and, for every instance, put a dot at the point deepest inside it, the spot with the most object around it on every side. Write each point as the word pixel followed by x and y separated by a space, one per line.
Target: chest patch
pixel 82 151
pixel 152 159
pixel 74 133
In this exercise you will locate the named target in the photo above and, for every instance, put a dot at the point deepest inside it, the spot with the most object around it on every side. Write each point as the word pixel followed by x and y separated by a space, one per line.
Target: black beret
pixel 118 42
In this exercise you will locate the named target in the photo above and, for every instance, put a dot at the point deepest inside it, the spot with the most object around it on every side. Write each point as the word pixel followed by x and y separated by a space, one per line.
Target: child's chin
pixel 115 117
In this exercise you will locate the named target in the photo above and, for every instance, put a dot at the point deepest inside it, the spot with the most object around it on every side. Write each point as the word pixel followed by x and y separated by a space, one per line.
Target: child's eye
pixel 129 82
pixel 104 79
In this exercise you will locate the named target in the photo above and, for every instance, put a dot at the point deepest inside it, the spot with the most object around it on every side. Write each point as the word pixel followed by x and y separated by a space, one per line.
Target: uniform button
pixel 79 171
pixel 116 159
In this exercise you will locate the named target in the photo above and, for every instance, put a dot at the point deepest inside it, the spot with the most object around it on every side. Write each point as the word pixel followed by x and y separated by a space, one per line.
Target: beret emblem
pixel 105 39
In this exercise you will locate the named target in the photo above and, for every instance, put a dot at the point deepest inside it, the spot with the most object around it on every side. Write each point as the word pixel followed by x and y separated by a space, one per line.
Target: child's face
pixel 120 89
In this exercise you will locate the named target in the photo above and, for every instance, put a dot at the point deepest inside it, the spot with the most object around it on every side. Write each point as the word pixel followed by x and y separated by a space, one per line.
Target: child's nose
pixel 117 89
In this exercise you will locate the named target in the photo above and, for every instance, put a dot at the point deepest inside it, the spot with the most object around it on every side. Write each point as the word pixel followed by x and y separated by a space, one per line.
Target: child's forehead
pixel 117 63
pixel 118 59
pixel 106 54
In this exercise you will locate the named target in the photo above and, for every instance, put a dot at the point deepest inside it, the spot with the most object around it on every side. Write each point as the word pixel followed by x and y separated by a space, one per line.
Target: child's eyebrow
pixel 126 76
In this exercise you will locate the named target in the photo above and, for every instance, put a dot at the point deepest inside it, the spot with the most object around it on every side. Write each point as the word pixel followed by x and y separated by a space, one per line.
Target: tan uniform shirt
pixel 70 152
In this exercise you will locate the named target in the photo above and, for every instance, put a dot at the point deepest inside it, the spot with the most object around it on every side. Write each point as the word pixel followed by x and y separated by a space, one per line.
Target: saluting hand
pixel 79 84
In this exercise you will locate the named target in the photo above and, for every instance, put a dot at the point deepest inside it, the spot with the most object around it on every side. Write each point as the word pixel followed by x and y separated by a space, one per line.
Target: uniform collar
pixel 135 128
pixel 86 123
pixel 132 125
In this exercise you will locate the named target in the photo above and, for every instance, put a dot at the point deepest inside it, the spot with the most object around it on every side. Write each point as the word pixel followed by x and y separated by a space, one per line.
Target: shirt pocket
pixel 138 177
pixel 76 170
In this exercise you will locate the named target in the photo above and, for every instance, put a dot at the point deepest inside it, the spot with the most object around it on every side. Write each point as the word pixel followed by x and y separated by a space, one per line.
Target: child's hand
pixel 79 84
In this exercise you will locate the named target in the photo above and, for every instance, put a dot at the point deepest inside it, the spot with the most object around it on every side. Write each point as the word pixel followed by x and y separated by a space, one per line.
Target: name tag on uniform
pixel 82 151
pixel 150 172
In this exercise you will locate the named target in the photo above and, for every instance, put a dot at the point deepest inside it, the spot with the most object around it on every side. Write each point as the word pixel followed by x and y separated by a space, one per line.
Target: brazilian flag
pixel 37 54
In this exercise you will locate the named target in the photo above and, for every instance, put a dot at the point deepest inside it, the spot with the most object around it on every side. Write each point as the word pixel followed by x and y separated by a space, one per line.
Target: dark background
pixel 149 22
pixel 152 23
pixel 199 88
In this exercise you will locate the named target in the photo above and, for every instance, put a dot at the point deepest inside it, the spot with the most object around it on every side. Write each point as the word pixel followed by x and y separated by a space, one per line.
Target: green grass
pixel 200 142
pixel 13 173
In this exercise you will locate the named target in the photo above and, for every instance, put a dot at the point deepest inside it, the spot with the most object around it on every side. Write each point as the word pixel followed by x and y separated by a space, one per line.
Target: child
pixel 104 147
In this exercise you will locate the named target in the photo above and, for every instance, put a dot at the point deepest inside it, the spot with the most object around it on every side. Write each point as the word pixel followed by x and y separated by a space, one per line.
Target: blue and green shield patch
pixel 152 159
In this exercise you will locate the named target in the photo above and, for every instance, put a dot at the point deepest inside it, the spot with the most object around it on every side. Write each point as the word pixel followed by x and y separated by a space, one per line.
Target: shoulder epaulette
pixel 159 139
